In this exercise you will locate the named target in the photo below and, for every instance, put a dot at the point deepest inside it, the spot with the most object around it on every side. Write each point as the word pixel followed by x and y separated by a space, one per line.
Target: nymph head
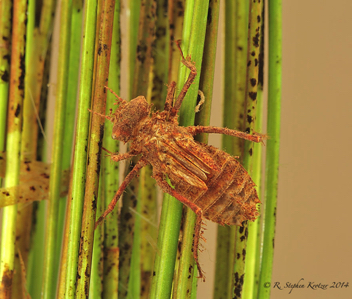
pixel 127 116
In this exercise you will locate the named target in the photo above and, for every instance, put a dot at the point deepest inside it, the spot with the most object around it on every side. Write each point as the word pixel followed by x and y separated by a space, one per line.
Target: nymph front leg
pixel 128 179
pixel 256 137
pixel 120 157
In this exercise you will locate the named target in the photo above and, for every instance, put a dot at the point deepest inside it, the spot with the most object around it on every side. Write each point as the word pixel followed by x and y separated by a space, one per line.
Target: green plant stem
pixel 28 153
pixel 142 86
pixel 126 232
pixel 160 242
pixel 222 261
pixel 148 230
pixel 35 264
pixel 185 43
pixel 255 14
pixel 187 117
pixel 65 240
pixel 96 283
pixel 30 127
pixel 273 144
pixel 134 282
pixel 167 246
pixel 5 32
pixel 110 173
pixel 161 58
pixel 252 267
pixel 34 268
pixel 146 37
pixel 72 85
pixel 2 161
pixel 257 234
pixel 171 212
pixel 157 89
pixel 135 7
pixel 141 67
pixel 193 43
pixel 254 39
pixel 235 69
pixel 50 271
pixel 176 16
pixel 13 145
pixel 208 68
pixel 206 83
pixel 38 40
pixel 75 44
pixel 80 155
pixel 106 10
pixel 250 286
pixel 236 32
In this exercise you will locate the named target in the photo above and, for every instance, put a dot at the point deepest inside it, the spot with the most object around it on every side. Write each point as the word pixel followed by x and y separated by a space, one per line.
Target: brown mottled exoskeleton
pixel 209 181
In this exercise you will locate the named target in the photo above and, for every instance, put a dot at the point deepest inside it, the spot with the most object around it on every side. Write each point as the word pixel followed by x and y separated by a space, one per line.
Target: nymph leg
pixel 120 157
pixel 256 137
pixel 189 64
pixel 197 229
pixel 170 96
pixel 141 163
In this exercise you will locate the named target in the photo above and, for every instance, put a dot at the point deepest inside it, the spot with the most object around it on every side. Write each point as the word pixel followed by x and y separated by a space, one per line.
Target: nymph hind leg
pixel 197 229
pixel 256 137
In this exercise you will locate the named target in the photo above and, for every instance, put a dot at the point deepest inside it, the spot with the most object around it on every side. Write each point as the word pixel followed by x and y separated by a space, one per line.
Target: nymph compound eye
pixel 122 132
pixel 114 136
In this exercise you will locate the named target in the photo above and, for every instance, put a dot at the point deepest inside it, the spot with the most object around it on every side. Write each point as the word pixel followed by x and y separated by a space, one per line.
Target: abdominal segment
pixel 226 196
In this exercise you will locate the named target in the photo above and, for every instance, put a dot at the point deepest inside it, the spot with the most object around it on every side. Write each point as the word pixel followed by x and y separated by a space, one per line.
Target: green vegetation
pixel 50 248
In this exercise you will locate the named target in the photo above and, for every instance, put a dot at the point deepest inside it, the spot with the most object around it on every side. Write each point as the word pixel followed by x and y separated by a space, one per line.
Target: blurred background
pixel 313 230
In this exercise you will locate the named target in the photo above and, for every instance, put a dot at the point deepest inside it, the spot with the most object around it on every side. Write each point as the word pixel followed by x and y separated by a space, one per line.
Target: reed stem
pixel 105 15
pixel 81 145
pixel 273 144
pixel 13 143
